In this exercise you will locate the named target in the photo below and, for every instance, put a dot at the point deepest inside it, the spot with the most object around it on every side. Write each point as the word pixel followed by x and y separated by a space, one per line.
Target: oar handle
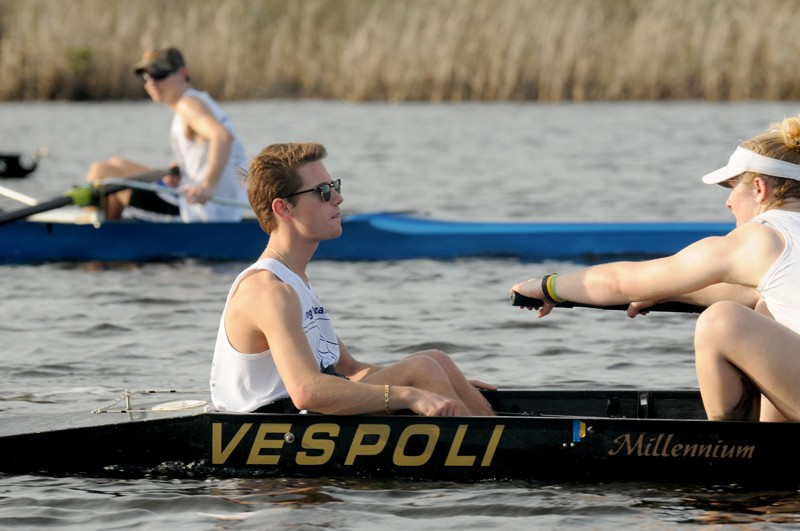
pixel 679 307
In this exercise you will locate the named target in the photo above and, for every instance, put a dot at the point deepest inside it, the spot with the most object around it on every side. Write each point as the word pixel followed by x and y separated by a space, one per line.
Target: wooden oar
pixel 80 195
pixel 680 307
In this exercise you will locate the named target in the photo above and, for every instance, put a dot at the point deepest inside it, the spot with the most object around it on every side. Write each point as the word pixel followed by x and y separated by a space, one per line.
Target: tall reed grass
pixel 435 50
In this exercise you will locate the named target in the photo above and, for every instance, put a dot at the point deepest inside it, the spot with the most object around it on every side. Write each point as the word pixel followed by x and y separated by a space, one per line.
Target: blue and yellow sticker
pixel 578 430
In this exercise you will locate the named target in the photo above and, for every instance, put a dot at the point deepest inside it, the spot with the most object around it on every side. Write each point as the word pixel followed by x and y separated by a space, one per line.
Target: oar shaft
pixel 679 307
pixel 172 191
pixel 35 209
pixel 149 175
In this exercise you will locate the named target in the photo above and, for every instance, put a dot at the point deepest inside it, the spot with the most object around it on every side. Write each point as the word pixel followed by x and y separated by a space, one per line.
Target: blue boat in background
pixel 369 236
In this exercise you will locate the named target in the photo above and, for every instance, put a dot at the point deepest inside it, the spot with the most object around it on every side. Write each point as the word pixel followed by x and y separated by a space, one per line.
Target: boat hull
pixel 375 236
pixel 554 436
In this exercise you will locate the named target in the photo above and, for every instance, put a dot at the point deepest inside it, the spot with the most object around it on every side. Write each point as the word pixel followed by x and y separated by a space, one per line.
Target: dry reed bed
pixel 443 50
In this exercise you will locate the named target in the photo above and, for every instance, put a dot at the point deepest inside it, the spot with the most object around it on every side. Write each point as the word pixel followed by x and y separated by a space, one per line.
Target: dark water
pixel 74 336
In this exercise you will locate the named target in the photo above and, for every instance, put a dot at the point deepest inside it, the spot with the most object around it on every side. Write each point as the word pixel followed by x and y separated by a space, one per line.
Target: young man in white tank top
pixel 276 342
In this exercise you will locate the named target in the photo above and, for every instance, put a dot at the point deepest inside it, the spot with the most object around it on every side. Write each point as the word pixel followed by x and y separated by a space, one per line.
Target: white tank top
pixel 780 287
pixel 244 382
pixel 192 158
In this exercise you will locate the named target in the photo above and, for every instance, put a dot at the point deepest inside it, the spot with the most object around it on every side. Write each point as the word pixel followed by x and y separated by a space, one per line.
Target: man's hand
pixel 482 385
pixel 197 194
pixel 430 404
pixel 173 178
pixel 639 308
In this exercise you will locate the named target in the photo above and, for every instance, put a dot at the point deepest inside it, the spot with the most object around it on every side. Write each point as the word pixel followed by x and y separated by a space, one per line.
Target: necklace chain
pixel 282 259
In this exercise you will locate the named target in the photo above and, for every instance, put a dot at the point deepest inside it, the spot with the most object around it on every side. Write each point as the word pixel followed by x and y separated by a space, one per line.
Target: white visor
pixel 744 160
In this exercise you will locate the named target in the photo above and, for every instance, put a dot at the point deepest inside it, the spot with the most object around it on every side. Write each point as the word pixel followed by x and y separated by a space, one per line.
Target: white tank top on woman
pixel 780 287
pixel 245 382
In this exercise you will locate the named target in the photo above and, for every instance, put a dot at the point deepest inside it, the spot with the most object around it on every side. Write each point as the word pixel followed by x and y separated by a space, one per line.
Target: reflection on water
pixel 363 504
pixel 725 507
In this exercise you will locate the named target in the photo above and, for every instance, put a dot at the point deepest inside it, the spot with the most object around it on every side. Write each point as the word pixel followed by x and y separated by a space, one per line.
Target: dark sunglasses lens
pixel 325 189
pixel 325 192
pixel 158 75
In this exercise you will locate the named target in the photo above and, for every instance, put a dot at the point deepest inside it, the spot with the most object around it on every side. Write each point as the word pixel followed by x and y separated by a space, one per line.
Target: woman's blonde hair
pixel 780 142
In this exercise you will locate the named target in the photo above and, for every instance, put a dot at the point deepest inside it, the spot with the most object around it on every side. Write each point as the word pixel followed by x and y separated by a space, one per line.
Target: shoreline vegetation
pixel 408 50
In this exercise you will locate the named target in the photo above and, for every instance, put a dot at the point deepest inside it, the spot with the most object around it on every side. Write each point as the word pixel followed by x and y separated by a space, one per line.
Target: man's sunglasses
pixel 158 75
pixel 323 189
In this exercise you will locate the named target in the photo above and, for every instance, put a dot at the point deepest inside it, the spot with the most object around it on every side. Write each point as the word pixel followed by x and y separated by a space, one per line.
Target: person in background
pixel 747 341
pixel 277 350
pixel 208 152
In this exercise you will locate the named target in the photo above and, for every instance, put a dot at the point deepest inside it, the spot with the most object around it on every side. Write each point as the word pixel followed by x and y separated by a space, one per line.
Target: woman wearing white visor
pixel 747 341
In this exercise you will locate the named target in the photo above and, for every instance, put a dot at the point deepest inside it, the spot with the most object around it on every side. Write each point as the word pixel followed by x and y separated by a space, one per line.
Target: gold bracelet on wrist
pixel 386 399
